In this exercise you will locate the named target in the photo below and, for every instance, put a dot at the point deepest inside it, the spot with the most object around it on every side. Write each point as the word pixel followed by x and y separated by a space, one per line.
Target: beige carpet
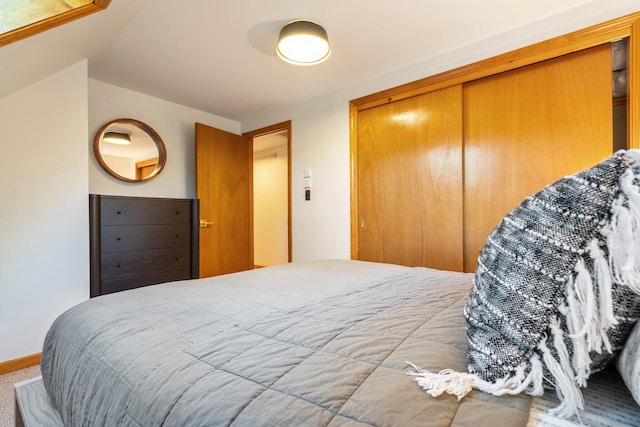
pixel 7 393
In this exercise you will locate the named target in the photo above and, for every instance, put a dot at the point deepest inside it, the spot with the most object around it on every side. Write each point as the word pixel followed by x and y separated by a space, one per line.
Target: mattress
pixel 309 343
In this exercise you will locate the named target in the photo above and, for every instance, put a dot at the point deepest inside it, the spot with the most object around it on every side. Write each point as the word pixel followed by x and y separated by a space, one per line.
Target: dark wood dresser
pixel 140 241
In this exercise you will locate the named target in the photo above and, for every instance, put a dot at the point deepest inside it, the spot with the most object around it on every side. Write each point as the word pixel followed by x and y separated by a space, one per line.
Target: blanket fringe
pixel 587 321
pixel 581 361
pixel 566 388
pixel 603 279
pixel 580 295
pixel 446 381
pixel 460 384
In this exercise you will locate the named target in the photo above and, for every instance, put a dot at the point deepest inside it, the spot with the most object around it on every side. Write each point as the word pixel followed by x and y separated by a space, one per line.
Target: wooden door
pixel 145 168
pixel 409 180
pixel 223 186
pixel 527 128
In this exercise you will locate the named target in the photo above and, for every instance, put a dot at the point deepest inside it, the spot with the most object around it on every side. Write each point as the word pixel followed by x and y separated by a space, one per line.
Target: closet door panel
pixel 410 181
pixel 526 128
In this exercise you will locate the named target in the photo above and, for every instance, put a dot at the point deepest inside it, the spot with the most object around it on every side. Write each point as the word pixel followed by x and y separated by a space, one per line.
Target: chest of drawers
pixel 140 241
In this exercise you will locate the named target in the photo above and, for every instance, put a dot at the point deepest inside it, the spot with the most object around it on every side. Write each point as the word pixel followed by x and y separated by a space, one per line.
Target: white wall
pixel 173 122
pixel 319 141
pixel 123 166
pixel 44 245
pixel 47 171
pixel 270 206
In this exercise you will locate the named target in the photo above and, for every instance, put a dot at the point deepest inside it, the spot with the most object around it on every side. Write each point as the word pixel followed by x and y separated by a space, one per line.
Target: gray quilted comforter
pixel 313 343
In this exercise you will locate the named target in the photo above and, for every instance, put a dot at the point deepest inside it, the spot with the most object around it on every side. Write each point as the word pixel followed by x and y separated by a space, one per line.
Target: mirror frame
pixel 162 150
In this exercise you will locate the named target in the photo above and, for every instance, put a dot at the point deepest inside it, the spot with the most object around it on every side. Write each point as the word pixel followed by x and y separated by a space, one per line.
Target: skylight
pixel 24 18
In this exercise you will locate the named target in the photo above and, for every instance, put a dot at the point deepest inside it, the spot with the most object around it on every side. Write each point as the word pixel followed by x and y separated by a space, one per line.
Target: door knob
pixel 204 223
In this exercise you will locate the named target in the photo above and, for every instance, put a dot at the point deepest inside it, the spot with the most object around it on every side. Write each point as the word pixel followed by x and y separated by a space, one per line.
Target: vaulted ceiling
pixel 219 56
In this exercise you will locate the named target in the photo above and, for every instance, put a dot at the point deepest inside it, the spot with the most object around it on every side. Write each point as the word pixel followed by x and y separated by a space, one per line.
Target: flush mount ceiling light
pixel 303 43
pixel 119 138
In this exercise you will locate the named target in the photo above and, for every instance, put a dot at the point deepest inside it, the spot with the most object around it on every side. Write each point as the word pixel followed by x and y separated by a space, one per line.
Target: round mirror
pixel 129 150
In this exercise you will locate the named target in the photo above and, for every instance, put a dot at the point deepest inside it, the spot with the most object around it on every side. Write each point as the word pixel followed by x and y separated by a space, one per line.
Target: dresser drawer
pixel 117 265
pixel 115 238
pixel 117 285
pixel 130 211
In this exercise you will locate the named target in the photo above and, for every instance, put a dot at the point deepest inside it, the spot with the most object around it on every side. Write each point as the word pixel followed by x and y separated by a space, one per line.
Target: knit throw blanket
pixel 556 290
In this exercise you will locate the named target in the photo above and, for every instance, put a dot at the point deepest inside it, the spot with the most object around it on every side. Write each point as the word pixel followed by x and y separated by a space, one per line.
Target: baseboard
pixel 21 363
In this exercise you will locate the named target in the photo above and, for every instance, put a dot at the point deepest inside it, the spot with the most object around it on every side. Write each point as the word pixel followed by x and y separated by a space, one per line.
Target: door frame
pixel 278 127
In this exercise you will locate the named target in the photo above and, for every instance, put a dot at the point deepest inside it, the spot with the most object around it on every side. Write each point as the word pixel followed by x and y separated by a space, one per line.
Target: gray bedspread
pixel 311 343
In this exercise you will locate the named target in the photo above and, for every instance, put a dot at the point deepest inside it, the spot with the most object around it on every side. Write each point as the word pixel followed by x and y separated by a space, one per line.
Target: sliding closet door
pixel 410 180
pixel 528 127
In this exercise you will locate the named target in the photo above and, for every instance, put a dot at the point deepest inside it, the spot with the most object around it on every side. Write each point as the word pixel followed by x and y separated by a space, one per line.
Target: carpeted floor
pixel 7 393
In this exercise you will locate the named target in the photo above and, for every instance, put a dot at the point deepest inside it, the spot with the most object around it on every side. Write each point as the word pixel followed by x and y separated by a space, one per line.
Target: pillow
pixel 556 289
pixel 628 363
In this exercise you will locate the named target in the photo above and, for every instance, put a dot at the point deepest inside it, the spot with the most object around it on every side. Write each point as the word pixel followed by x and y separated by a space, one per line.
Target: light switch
pixel 307 183
pixel 307 173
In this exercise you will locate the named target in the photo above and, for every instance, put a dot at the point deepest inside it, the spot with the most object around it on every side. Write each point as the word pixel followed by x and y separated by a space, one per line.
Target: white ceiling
pixel 218 55
pixel 270 141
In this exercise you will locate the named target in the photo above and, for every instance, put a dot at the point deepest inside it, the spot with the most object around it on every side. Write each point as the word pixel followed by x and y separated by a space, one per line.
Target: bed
pixel 554 300
pixel 312 343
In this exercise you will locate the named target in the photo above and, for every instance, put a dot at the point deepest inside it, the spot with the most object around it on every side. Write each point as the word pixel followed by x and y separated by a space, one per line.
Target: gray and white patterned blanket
pixel 312 343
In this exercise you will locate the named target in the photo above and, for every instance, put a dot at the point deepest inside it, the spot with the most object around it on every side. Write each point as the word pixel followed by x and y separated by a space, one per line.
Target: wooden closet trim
pixel 625 26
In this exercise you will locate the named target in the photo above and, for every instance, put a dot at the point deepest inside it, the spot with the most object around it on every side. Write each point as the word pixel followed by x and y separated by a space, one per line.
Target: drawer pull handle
pixel 118 238
pixel 177 236
pixel 119 266
pixel 178 258
pixel 119 212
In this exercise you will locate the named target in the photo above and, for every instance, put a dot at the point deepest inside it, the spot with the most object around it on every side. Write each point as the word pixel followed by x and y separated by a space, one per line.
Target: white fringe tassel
pixel 460 384
pixel 567 390
pixel 583 304
pixel 603 279
pixel 446 381
pixel 584 317
pixel 581 361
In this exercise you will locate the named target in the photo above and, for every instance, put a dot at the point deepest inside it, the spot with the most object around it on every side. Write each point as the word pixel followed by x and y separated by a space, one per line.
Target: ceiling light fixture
pixel 303 43
pixel 119 138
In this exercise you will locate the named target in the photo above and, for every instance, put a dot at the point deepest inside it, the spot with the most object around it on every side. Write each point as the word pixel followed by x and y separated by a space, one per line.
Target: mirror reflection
pixel 129 150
